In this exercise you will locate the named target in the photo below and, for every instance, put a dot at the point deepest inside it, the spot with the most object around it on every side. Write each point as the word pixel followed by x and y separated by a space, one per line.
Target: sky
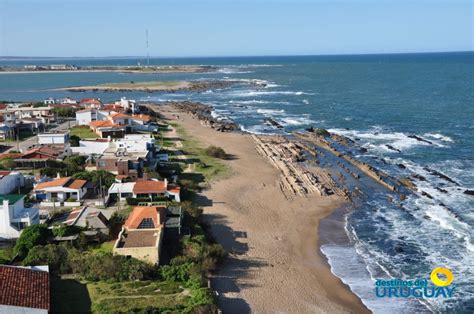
pixel 84 28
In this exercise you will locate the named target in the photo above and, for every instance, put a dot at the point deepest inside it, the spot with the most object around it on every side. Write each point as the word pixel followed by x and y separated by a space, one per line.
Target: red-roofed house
pixel 91 103
pixel 142 234
pixel 24 290
pixel 145 188
pixel 62 191
pixel 106 128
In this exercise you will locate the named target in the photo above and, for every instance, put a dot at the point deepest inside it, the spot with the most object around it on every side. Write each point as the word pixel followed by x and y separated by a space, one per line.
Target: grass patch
pixel 82 132
pixel 209 167
pixel 105 247
pixel 71 295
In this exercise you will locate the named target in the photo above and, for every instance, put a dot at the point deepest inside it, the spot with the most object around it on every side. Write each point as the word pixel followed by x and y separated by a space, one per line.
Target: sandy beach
pixel 274 264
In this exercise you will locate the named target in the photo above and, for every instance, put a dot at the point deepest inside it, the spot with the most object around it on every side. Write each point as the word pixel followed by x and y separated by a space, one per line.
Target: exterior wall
pixel 113 134
pixel 53 138
pixel 21 310
pixel 147 254
pixel 10 183
pixel 12 214
pixel 83 118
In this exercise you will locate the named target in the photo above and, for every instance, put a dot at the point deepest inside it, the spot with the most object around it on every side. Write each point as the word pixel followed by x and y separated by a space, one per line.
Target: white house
pixel 10 181
pixel 53 138
pixel 14 217
pixel 132 143
pixel 61 192
pixel 86 116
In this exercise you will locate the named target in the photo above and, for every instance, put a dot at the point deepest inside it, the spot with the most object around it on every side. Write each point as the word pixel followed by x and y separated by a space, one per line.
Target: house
pixel 11 181
pixel 86 116
pixel 143 122
pixel 142 234
pixel 87 217
pixel 49 101
pixel 90 103
pixel 43 113
pixel 106 128
pixel 24 290
pixel 14 217
pixel 151 189
pixel 60 192
pixel 129 143
pixel 68 100
pixel 53 138
pixel 123 162
pixel 39 156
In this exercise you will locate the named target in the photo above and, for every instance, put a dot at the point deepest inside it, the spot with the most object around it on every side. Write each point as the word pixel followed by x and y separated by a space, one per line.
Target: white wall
pixel 83 118
pixel 90 147
pixel 59 138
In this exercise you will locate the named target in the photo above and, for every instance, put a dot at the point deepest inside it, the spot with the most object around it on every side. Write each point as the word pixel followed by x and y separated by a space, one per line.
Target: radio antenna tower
pixel 147 50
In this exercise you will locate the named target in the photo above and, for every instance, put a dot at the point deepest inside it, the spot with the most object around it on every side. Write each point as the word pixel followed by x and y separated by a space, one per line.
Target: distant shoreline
pixel 118 69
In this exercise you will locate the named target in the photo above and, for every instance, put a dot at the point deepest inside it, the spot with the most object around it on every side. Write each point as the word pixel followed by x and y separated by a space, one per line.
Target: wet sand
pixel 274 264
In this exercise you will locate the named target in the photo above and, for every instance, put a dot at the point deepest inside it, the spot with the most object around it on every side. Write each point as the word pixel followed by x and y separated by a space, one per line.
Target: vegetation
pixel 7 163
pixel 216 152
pixel 64 112
pixel 205 165
pixel 322 132
pixel 97 177
pixel 30 237
pixel 70 165
pixel 74 140
pixel 82 132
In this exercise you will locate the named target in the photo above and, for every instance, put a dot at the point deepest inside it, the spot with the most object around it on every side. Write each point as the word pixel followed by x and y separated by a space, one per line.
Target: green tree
pixel 74 140
pixel 55 256
pixel 30 237
pixel 96 177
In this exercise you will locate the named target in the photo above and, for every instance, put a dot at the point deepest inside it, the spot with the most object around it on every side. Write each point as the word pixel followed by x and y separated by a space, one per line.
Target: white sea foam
pixel 294 121
pixel 270 112
pixel 253 93
pixel 439 137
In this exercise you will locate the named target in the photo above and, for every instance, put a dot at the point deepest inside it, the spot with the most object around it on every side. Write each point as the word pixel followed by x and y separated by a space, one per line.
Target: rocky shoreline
pixel 194 86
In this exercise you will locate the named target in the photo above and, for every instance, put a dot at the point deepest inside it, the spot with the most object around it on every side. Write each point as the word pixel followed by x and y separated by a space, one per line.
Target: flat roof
pixel 139 238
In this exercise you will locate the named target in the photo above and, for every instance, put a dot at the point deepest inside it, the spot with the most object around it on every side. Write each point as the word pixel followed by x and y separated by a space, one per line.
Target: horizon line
pixel 235 56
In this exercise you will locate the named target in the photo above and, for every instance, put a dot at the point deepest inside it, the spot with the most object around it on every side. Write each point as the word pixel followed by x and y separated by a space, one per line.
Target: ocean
pixel 413 113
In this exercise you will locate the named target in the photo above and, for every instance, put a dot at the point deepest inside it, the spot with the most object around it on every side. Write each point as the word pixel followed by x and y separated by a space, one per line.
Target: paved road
pixel 24 145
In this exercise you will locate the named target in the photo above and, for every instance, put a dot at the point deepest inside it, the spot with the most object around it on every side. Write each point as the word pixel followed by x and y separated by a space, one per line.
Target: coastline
pixel 274 262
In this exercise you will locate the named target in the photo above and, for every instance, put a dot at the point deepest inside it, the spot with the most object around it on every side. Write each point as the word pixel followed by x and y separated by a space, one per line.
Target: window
pixel 146 223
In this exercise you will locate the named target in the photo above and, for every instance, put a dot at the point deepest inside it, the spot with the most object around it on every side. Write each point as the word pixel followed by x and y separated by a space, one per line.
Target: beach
pixel 274 263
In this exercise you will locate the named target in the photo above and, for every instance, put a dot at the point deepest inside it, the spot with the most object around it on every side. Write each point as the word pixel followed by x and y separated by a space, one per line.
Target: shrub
pixel 55 256
pixel 216 152
pixel 30 237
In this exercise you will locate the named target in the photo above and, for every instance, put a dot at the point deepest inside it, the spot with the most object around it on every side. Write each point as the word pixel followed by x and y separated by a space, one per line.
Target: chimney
pixel 166 183
pixel 58 176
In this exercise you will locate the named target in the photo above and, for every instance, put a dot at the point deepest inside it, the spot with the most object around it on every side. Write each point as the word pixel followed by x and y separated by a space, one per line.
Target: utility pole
pixel 147 50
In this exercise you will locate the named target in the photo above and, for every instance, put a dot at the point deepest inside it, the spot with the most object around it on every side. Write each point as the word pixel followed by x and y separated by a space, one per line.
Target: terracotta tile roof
pixel 114 107
pixel 4 173
pixel 142 117
pixel 174 189
pixel 155 213
pixel 119 116
pixel 55 183
pixel 10 155
pixel 103 124
pixel 62 182
pixel 90 101
pixel 149 186
pixel 77 184
pixel 71 218
pixel 53 151
pixel 24 287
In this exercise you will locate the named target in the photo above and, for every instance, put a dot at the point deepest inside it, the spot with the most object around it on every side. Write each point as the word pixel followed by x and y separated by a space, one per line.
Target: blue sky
pixel 233 27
